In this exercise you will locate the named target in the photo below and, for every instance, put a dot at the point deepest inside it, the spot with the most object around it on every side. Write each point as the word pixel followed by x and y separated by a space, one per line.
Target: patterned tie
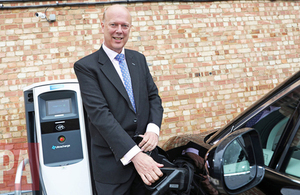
pixel 126 77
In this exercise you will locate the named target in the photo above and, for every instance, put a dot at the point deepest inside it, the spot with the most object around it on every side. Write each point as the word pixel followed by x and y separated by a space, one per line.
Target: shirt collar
pixel 110 53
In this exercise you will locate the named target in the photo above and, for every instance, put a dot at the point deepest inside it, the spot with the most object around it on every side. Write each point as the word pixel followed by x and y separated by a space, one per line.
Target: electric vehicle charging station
pixel 58 152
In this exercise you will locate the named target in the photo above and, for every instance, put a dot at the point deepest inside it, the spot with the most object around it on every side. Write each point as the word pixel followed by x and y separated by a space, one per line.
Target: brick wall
pixel 210 60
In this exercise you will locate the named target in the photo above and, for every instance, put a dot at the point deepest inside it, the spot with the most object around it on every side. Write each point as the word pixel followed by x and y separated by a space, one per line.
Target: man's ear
pixel 132 28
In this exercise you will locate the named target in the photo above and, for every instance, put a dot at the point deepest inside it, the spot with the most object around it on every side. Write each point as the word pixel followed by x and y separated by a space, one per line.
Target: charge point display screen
pixel 55 107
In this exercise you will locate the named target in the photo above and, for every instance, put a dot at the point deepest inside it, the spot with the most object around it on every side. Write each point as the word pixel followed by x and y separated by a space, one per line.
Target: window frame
pixel 276 93
pixel 280 152
pixel 286 141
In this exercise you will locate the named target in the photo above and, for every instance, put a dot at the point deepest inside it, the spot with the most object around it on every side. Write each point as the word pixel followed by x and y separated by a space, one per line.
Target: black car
pixel 256 153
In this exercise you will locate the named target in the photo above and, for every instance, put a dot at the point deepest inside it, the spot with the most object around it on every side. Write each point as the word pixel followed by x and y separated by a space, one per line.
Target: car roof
pixel 184 139
pixel 283 85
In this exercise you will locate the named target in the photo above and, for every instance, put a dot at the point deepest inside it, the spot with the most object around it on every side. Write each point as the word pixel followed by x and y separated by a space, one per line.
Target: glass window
pixel 271 121
pixel 293 166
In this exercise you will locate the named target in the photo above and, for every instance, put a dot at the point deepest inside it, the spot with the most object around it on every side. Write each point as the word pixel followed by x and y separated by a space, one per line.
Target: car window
pixel 293 157
pixel 271 121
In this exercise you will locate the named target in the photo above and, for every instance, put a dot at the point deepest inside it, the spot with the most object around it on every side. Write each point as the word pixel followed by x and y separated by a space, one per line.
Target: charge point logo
pixel 60 147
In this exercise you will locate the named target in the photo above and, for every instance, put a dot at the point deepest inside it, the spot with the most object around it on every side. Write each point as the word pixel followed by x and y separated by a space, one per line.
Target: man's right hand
pixel 147 168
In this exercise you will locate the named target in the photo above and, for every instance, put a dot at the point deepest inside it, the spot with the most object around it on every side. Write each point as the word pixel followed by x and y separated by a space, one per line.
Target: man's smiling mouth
pixel 118 38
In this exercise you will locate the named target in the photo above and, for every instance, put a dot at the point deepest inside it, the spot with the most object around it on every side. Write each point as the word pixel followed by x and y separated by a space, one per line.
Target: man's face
pixel 116 28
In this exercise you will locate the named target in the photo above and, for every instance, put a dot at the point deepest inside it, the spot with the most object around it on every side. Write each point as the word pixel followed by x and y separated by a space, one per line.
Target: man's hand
pixel 149 142
pixel 147 168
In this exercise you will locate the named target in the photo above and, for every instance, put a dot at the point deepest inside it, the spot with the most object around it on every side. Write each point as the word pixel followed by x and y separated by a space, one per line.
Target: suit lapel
pixel 110 72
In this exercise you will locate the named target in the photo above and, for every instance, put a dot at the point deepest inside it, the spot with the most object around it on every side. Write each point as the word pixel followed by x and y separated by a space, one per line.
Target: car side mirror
pixel 236 164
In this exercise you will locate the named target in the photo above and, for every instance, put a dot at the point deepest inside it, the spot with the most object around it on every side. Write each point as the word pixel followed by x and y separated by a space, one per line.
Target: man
pixel 116 115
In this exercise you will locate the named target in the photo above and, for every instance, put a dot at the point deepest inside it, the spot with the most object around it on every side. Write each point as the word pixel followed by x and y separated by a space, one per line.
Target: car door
pixel 289 163
pixel 277 122
pixel 276 118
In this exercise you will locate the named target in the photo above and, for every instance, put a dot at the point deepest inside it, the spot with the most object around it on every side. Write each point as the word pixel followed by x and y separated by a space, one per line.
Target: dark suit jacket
pixel 112 120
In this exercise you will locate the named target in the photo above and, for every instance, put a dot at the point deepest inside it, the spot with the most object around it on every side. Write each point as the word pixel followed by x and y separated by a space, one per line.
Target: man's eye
pixel 124 26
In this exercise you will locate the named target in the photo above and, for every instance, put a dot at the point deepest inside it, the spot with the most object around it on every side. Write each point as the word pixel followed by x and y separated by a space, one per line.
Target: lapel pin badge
pixel 133 64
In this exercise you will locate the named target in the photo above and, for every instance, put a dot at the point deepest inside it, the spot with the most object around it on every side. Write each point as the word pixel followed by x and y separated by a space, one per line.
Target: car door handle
pixel 288 191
